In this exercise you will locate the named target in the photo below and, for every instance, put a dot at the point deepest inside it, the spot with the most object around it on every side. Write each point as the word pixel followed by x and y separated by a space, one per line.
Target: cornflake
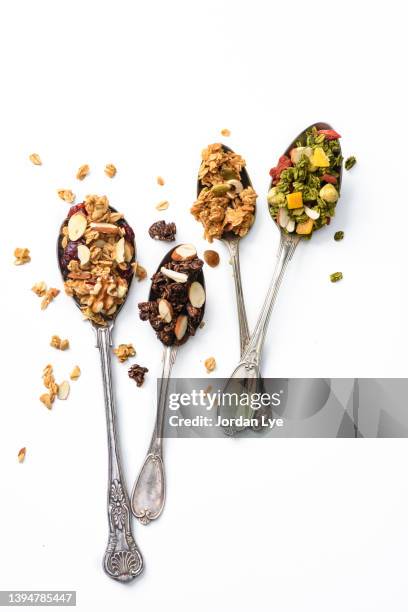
pixel 39 289
pixel 59 344
pixel 124 351
pixel 82 172
pixel 76 373
pixel 110 170
pixel 35 159
pixel 22 256
pixel 50 294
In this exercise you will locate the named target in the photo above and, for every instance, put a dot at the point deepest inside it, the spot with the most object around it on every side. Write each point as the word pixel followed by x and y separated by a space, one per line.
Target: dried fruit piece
pixel 35 159
pixel 124 351
pixel 184 252
pixel 211 258
pixel 210 364
pixel 160 181
pixel 76 373
pixel 225 132
pixel 21 454
pixel 179 277
pixel 339 236
pixel 181 326
pixel 66 195
pixel 22 256
pixel 294 200
pixel 39 288
pixel 336 277
pixel 165 310
pixel 50 294
pixel 196 294
pixel 137 373
pixel 76 226
pixel 82 172
pixel 110 170
pixel 304 228
pixel 163 205
pixel 63 390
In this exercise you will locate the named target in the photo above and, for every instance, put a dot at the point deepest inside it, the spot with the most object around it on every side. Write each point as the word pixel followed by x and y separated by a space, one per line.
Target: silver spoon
pixel 247 373
pixel 122 560
pixel 149 492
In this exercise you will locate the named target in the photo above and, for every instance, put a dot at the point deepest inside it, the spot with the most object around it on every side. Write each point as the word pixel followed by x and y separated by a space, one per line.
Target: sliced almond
pixel 129 251
pixel 165 310
pixel 84 254
pixel 181 326
pixel 120 250
pixel 196 294
pixel 179 277
pixel 237 186
pixel 183 252
pixel 104 228
pixel 21 454
pixel 290 227
pixel 76 226
pixel 63 390
pixel 283 217
pixel 312 213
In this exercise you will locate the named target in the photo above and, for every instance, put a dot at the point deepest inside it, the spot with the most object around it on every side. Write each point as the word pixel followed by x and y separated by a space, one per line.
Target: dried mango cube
pixel 294 200
pixel 319 158
pixel 304 228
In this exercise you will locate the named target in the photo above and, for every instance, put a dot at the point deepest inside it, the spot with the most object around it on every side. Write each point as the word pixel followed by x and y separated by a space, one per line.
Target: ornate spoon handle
pixel 149 492
pixel 122 560
pixel 233 247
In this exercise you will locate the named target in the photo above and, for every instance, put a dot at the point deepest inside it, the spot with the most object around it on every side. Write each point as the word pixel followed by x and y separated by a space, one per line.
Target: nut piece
pixel 165 310
pixel 163 205
pixel 35 159
pixel 139 271
pixel 179 277
pixel 211 258
pixel 76 226
pixel 63 390
pixel 76 373
pixel 39 289
pixel 66 195
pixel 22 256
pixel 21 454
pixel 110 170
pixel 50 294
pixel 59 344
pixel 104 228
pixel 210 364
pixel 82 172
pixel 160 181
pixel 84 254
pixel 184 252
pixel 120 250
pixel 225 132
pixel 181 326
pixel 45 398
pixel 124 351
pixel 196 294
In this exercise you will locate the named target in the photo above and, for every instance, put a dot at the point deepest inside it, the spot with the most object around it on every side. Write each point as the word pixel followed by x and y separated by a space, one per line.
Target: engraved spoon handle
pixel 149 492
pixel 122 560
pixel 233 247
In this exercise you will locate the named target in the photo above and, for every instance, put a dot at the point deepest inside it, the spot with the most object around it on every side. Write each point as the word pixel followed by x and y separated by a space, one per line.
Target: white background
pixel 287 525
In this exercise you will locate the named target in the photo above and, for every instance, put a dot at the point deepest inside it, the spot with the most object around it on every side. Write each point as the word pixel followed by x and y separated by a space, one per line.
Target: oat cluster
pixel 22 256
pixel 124 351
pixel 223 204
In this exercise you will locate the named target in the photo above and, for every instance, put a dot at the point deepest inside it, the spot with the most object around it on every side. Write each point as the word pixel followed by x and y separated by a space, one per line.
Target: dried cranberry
pixel 74 209
pixel 328 178
pixel 71 251
pixel 127 273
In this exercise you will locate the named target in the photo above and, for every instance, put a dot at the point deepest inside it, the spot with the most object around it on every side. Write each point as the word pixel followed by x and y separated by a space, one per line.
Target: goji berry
pixel 330 134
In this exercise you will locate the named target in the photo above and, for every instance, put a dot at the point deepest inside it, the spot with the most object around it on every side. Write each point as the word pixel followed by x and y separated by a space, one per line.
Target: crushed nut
pixel 137 373
pixel 21 454
pixel 59 344
pixel 124 351
pixel 22 256
pixel 160 181
pixel 76 373
pixel 211 258
pixel 163 205
pixel 35 159
pixel 66 195
pixel 63 390
pixel 39 289
pixel 82 172
pixel 110 170
pixel 50 294
pixel 139 271
pixel 225 132
pixel 210 364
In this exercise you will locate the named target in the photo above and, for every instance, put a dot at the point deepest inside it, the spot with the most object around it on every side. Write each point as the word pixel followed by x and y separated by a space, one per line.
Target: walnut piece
pixel 59 344
pixel 66 195
pixel 124 351
pixel 82 172
pixel 22 256
pixel 226 132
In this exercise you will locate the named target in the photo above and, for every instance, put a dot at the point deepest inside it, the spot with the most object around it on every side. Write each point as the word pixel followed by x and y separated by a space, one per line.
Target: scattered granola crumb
pixel 339 236
pixel 35 159
pixel 66 195
pixel 110 170
pixel 59 344
pixel 160 230
pixel 210 364
pixel 124 351
pixel 39 289
pixel 21 454
pixel 50 294
pixel 63 390
pixel 76 373
pixel 45 398
pixel 139 271
pixel 137 373
pixel 211 258
pixel 163 205
pixel 350 162
pixel 160 181
pixel 22 256
pixel 82 172
pixel 225 132
pixel 50 384
pixel 336 277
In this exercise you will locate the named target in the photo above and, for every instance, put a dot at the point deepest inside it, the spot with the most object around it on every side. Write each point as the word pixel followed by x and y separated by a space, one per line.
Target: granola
pixel 124 351
pixel 49 383
pixel 66 195
pixel 22 256
pixel 39 289
pixel 160 230
pixel 97 253
pixel 59 344
pixel 223 204
pixel 137 373
pixel 49 295
pixel 210 364
pixel 110 170
pixel 35 159
pixel 82 172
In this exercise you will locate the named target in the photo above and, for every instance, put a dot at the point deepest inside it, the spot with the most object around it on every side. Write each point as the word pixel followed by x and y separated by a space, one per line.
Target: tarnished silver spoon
pixel 149 492
pixel 122 560
pixel 246 375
